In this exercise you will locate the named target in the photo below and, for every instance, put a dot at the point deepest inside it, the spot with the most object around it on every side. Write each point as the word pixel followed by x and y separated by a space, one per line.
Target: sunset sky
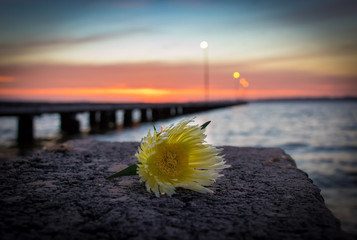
pixel 149 51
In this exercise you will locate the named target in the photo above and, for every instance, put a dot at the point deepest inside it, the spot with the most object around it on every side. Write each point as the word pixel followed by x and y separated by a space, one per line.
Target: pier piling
pixel 25 129
pixel 128 118
pixel 93 121
pixel 144 116
pixel 112 119
pixel 69 123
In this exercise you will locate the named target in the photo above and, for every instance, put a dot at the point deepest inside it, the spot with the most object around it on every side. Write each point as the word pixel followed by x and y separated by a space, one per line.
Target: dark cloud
pixel 312 11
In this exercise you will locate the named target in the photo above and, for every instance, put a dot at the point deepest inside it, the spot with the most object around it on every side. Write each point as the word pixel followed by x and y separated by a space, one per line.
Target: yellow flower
pixel 178 156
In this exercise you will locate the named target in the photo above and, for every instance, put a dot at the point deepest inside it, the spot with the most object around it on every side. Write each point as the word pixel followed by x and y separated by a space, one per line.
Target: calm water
pixel 320 135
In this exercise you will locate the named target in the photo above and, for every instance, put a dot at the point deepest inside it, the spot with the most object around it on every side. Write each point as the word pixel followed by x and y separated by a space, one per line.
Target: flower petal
pixel 162 157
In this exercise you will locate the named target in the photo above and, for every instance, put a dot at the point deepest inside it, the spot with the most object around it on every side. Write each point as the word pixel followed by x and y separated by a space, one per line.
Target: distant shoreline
pixel 305 99
pixel 347 98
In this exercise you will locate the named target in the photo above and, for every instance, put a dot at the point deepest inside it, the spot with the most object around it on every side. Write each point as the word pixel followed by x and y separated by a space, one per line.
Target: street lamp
pixel 236 83
pixel 204 46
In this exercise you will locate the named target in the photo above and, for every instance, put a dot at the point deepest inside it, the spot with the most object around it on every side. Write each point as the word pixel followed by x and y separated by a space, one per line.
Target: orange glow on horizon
pixel 85 91
pixel 162 83
pixel 146 94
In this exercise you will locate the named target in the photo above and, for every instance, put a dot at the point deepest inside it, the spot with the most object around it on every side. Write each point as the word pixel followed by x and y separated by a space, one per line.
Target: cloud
pixel 128 75
pixel 349 49
pixel 304 12
pixel 323 11
pixel 11 49
pixel 121 4
pixel 6 79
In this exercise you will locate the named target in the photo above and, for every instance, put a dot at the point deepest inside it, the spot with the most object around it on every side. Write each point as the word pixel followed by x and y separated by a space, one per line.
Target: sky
pixel 149 51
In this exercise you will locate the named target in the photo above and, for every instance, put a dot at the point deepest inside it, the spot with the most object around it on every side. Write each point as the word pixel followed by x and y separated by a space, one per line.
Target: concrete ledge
pixel 62 193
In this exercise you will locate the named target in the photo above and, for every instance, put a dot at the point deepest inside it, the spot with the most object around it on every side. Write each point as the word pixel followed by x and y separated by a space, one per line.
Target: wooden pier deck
pixel 101 115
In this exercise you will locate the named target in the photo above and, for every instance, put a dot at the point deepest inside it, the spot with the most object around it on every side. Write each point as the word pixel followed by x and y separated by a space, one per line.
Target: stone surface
pixel 62 193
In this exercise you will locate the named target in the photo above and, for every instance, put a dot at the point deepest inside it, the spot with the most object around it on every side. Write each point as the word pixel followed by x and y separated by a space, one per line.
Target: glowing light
pixel 244 82
pixel 236 75
pixel 204 44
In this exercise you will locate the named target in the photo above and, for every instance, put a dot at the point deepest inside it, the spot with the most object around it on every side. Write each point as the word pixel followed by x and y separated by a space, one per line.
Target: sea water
pixel 320 135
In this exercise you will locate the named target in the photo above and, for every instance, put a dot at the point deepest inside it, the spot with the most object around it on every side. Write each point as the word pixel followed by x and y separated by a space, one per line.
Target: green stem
pixel 203 126
pixel 131 170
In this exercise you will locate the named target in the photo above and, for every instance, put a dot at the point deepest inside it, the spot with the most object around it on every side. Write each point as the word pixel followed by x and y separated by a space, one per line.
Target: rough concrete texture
pixel 62 193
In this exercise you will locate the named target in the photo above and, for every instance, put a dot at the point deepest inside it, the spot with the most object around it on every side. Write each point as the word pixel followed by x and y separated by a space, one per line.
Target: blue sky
pixel 236 29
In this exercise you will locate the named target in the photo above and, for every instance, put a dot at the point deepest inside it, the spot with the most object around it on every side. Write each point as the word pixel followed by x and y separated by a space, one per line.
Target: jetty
pixel 102 116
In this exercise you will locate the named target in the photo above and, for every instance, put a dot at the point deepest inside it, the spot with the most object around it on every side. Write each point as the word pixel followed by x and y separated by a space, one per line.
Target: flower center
pixel 171 159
